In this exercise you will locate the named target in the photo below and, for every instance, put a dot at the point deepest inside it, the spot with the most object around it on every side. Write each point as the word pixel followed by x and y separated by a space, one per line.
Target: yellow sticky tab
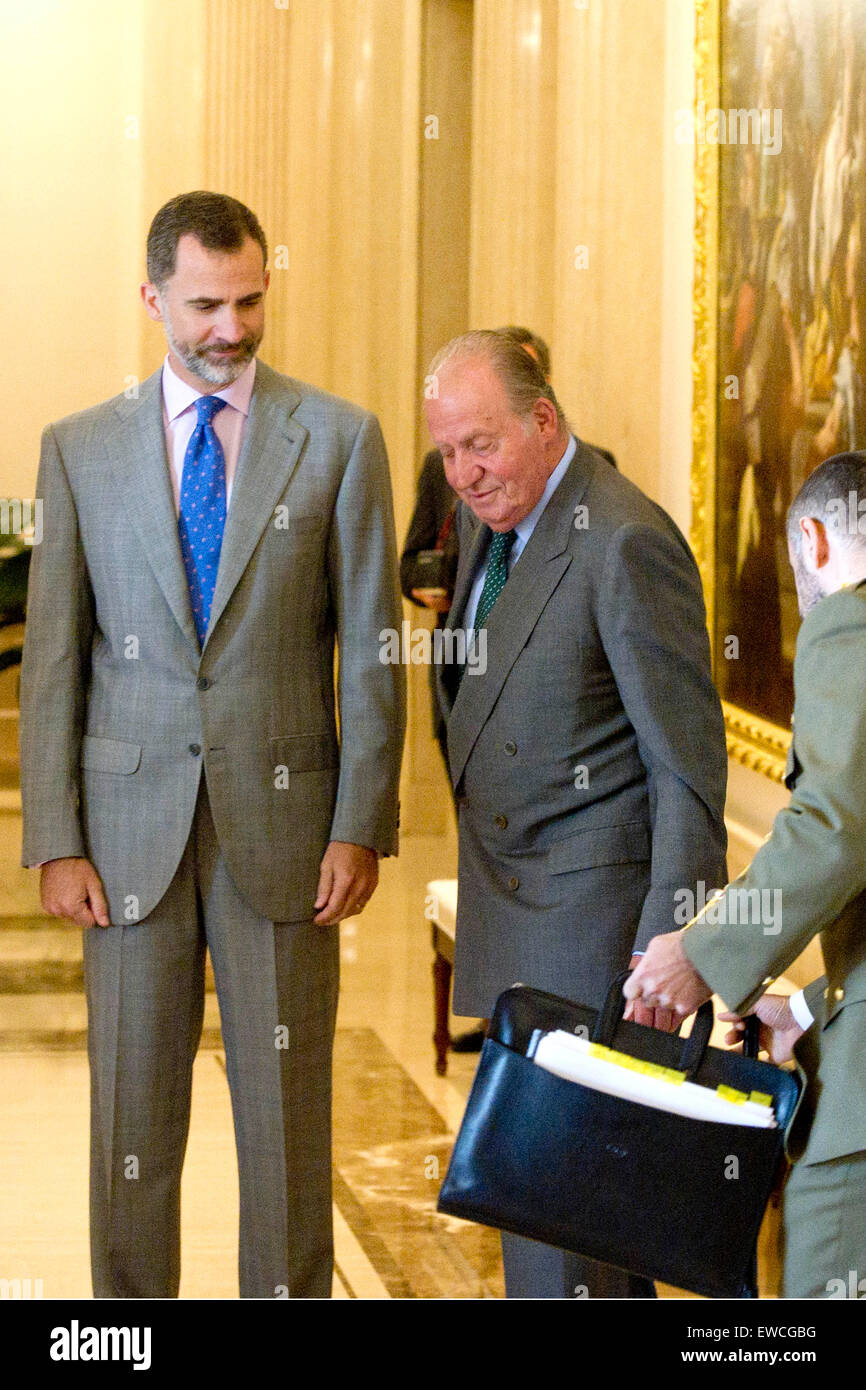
pixel 623 1059
pixel 760 1098
pixel 667 1074
pixel 728 1093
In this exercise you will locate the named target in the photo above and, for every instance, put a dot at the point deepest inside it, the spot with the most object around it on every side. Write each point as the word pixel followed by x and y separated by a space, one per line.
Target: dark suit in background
pixel 434 502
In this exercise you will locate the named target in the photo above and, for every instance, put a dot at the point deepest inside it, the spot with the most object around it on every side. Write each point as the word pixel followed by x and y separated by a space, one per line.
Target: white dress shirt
pixel 800 1009
pixel 524 530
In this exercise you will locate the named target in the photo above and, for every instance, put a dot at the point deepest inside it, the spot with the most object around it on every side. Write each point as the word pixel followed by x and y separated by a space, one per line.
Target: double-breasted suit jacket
pixel 589 758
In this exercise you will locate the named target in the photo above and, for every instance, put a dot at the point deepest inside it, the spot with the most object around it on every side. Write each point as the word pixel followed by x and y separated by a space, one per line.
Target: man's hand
pixel 72 888
pixel 437 599
pixel 665 977
pixel 779 1028
pixel 347 881
pixel 664 1019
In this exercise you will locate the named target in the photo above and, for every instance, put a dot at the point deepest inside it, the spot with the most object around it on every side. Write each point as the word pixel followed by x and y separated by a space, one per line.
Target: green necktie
pixel 496 575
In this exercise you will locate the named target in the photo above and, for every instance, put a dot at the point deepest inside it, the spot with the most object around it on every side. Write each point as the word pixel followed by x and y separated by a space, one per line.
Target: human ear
pixel 152 301
pixel 816 546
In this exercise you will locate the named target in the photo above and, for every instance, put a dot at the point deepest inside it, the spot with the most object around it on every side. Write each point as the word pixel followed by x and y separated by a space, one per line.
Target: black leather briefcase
pixel 660 1195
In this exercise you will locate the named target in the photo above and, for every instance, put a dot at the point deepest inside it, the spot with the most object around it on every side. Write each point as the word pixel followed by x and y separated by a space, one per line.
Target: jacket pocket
pixel 109 754
pixel 608 844
pixel 304 525
pixel 300 528
pixel 305 752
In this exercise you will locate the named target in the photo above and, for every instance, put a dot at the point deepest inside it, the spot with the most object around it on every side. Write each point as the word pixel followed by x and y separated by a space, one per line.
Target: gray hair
pixel 527 339
pixel 835 495
pixel 521 376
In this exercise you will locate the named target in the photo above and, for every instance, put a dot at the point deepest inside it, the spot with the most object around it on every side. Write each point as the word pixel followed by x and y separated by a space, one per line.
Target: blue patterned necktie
pixel 496 574
pixel 202 516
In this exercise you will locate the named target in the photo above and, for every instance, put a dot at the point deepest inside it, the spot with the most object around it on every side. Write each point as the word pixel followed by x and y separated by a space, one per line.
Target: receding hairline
pixel 480 344
pixel 470 360
pixel 517 371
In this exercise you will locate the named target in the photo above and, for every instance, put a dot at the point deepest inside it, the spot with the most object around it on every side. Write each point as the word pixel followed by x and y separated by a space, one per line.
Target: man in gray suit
pixel 207 543
pixel 589 758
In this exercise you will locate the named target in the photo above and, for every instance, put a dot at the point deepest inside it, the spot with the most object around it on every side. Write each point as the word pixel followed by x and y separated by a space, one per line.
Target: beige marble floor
pixel 385 1014
pixel 390 1242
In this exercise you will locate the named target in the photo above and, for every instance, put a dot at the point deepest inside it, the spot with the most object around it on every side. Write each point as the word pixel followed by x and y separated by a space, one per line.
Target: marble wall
pixel 552 193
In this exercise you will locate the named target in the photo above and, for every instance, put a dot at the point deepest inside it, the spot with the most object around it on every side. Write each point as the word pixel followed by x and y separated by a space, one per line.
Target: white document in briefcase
pixel 661 1088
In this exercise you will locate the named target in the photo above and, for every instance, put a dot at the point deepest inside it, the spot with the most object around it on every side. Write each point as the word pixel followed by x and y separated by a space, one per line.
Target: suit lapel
pixel 473 543
pixel 272 443
pixel 536 574
pixel 136 450
pixel 137 454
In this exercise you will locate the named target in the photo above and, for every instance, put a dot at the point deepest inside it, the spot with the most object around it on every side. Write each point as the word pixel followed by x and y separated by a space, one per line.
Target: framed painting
pixel 779 297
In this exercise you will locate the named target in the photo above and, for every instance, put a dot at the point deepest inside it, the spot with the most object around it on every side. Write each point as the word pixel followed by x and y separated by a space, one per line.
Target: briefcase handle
pixel 694 1046
pixel 751 1036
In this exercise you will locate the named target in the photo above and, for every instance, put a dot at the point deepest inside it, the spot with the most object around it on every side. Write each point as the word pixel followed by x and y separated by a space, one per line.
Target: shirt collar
pixel 526 527
pixel 178 396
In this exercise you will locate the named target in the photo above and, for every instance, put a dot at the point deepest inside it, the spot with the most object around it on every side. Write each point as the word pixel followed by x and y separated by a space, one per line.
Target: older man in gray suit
pixel 207 542
pixel 588 757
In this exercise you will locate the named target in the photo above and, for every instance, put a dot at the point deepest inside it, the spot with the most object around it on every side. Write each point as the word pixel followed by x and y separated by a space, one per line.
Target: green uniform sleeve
pixel 814 863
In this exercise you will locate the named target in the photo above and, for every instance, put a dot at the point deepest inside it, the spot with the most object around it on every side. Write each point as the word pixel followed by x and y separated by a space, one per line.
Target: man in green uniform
pixel 807 879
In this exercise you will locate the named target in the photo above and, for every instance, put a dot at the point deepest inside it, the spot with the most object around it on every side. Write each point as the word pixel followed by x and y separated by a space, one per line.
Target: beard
pixel 809 591
pixel 203 362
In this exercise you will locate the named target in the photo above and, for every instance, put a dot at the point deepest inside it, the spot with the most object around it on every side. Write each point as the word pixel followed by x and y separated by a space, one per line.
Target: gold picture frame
pixel 752 741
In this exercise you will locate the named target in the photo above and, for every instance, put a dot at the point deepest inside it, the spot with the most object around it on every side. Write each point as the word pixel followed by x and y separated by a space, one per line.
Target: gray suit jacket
pixel 121 710
pixel 589 760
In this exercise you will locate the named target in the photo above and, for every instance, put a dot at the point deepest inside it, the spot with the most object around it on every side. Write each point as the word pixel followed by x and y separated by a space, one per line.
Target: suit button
pixel 510 748
pixel 838 993
pixel 501 822
pixel 514 883
pixel 195 749
pixel 202 683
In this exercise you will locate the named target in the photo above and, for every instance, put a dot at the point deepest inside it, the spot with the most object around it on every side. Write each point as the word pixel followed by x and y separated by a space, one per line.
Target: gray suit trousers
pixel 277 988
pixel 533 1270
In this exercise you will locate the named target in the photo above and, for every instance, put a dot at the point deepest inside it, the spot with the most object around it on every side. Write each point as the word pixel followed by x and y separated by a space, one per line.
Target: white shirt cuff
pixel 800 1009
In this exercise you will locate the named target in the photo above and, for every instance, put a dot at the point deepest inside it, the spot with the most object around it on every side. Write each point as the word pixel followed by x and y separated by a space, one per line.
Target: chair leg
pixel 442 997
